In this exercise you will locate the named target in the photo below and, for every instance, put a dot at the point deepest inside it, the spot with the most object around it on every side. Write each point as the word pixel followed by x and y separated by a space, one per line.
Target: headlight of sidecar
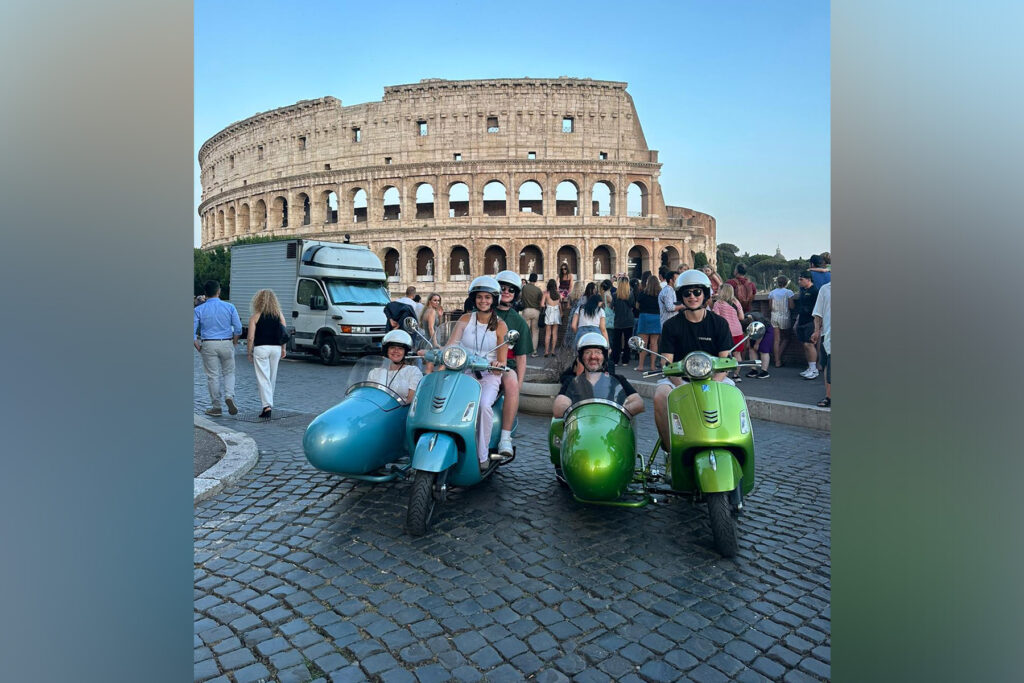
pixel 698 365
pixel 454 357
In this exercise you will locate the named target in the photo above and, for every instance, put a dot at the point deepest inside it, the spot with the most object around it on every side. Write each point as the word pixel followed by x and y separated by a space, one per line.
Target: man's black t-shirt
pixel 679 336
pixel 805 304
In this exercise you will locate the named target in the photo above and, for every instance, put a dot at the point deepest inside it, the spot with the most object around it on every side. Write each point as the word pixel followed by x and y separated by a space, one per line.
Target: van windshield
pixel 358 292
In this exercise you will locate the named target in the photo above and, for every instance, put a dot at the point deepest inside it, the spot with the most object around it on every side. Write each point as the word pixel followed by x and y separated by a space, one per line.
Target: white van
pixel 332 294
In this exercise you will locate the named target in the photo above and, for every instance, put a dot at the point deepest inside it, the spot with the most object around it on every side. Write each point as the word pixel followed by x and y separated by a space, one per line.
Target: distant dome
pixel 778 253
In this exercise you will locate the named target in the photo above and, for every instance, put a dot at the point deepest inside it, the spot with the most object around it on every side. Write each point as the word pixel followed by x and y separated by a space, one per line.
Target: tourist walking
pixel 221 329
pixel 743 288
pixel 623 322
pixel 778 300
pixel 551 302
pixel 729 307
pixel 432 317
pixel 648 326
pixel 565 283
pixel 266 343
pixel 532 309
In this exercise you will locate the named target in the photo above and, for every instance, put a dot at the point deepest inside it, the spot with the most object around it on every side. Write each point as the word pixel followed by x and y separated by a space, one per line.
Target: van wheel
pixel 723 524
pixel 421 503
pixel 328 351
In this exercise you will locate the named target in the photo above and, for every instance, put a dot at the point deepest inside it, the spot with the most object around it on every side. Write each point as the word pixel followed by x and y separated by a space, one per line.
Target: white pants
pixel 219 360
pixel 489 385
pixel 265 359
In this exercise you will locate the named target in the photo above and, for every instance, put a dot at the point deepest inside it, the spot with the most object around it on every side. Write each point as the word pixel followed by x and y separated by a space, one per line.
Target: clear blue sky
pixel 733 95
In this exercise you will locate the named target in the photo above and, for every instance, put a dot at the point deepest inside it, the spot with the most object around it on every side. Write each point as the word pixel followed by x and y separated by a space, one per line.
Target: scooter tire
pixel 723 524
pixel 421 503
pixel 561 478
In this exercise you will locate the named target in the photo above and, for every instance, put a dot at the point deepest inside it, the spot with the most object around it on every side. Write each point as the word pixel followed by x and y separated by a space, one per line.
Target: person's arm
pixel 236 325
pixel 575 320
pixel 195 328
pixel 604 329
pixel 501 330
pixel 284 347
pixel 561 404
pixel 816 315
pixel 250 337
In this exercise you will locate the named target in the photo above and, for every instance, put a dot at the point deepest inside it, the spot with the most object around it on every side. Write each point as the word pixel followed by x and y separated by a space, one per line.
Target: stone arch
pixel 231 227
pixel 391 201
pixel 220 224
pixel 495 206
pixel 261 216
pixel 391 264
pixel 604 262
pixel 531 198
pixel 329 200
pixel 602 198
pixel 458 199
pixel 302 201
pixel 531 252
pixel 279 212
pixel 491 254
pixel 637 199
pixel 360 204
pixel 425 263
pixel 570 255
pixel 424 200
pixel 567 198
pixel 669 257
pixel 243 225
pixel 455 272
pixel 639 261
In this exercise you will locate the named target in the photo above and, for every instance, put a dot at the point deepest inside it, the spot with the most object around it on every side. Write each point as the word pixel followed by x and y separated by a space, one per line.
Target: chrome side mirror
pixel 637 343
pixel 756 330
pixel 511 337
pixel 410 325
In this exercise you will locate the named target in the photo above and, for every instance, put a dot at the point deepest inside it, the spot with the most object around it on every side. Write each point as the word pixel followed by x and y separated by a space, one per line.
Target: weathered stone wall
pixel 281 173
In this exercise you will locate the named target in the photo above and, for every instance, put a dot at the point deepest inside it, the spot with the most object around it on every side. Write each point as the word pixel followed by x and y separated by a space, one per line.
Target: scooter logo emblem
pixel 705 388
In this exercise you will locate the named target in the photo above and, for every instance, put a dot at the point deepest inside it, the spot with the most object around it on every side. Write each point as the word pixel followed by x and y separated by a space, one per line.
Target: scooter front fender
pixel 717 470
pixel 435 452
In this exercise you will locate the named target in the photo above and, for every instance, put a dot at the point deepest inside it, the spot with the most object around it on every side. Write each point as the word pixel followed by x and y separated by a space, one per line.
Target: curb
pixel 240 457
pixel 784 412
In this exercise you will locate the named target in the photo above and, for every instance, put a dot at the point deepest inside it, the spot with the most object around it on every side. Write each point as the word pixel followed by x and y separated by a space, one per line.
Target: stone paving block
pixel 816 668
pixel 205 670
pixel 397 676
pixel 466 674
pixel 707 674
pixel 253 673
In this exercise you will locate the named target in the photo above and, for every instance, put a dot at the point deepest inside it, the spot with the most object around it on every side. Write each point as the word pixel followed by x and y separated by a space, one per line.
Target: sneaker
pixel 813 375
pixel 737 379
pixel 752 373
pixel 807 372
pixel 232 408
pixel 505 447
pixel 763 374
pixel 215 412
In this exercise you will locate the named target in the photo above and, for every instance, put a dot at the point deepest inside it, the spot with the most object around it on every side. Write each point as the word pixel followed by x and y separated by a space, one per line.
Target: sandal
pixel 825 402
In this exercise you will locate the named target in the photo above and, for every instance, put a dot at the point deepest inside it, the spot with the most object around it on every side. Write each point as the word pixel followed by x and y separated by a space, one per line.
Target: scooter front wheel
pixel 421 503
pixel 723 524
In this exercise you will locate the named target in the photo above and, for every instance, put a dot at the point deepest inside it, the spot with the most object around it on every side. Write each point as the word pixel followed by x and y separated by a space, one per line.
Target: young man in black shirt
pixel 696 329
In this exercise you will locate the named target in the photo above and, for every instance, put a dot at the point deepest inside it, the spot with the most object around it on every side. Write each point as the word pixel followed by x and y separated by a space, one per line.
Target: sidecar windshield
pixel 607 388
pixel 376 371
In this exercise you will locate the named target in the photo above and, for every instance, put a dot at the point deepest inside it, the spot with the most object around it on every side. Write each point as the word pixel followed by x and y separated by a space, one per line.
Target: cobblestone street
pixel 301 575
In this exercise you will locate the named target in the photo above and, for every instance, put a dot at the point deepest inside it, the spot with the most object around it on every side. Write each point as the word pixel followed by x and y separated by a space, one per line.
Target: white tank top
pixel 478 339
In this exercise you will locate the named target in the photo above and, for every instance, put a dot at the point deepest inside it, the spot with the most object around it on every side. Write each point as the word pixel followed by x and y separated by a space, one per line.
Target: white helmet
pixel 399 337
pixel 510 278
pixel 592 340
pixel 485 283
pixel 692 278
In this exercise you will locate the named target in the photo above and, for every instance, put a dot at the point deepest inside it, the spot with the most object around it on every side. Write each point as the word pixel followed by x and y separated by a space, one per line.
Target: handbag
pixel 285 337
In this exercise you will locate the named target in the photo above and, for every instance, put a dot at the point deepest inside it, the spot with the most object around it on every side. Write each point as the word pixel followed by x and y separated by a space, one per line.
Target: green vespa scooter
pixel 710 454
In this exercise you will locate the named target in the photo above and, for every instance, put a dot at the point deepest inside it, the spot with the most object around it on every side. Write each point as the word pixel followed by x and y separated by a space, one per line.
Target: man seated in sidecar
pixel 697 329
pixel 595 381
pixel 399 376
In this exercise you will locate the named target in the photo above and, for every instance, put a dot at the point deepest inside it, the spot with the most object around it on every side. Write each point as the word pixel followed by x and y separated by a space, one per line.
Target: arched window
pixel 568 255
pixel 392 204
pixel 604 262
pixel 262 219
pixel 358 205
pixel 494 198
pixel 458 264
pixel 306 208
pixel 458 200
pixel 231 222
pixel 391 264
pixel 220 224
pixel 636 200
pixel 567 199
pixel 425 264
pixel 494 260
pixel 243 220
pixel 531 198
pixel 424 201
pixel 331 200
pixel 670 257
pixel 531 260
pixel 639 261
pixel 602 199
pixel 280 213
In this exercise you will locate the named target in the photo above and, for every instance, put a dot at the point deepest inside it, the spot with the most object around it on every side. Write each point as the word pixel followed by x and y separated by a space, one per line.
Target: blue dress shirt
pixel 219 320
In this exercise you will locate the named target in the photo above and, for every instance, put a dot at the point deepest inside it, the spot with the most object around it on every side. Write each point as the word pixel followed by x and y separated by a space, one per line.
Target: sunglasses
pixel 507 288
pixel 691 292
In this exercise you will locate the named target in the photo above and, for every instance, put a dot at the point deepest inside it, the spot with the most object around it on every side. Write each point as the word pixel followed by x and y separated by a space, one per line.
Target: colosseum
pixel 446 180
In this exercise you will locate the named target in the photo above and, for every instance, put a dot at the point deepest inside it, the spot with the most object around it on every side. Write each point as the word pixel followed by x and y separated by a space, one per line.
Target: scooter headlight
pixel 454 357
pixel 698 365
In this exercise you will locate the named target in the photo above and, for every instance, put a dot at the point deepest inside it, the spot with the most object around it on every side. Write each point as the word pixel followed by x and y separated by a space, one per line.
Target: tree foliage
pixel 761 268
pixel 214 264
pixel 700 259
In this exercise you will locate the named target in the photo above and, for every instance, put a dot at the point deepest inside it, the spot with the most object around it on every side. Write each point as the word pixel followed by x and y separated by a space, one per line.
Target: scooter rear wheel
pixel 723 524
pixel 421 503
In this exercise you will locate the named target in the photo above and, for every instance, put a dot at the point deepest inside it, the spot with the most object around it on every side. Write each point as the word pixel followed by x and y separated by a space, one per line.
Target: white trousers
pixel 219 361
pixel 265 359
pixel 489 385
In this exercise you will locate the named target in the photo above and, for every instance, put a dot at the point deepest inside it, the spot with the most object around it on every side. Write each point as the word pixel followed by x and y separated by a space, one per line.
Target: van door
pixel 310 311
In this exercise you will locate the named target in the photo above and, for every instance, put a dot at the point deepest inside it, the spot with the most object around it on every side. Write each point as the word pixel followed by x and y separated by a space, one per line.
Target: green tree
pixel 214 264
pixel 700 259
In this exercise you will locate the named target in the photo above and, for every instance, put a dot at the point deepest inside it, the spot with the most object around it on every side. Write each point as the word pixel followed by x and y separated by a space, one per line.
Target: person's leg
pixel 489 384
pixel 775 345
pixel 643 354
pixel 661 413
pixel 654 347
pixel 227 361
pixel 211 366
pixel 531 315
pixel 261 364
pixel 510 383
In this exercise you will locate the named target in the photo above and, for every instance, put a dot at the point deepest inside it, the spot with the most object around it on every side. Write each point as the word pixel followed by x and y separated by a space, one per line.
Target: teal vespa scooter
pixel 441 428
pixel 710 455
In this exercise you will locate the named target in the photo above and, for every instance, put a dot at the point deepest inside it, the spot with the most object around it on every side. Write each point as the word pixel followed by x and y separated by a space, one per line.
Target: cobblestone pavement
pixel 301 575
